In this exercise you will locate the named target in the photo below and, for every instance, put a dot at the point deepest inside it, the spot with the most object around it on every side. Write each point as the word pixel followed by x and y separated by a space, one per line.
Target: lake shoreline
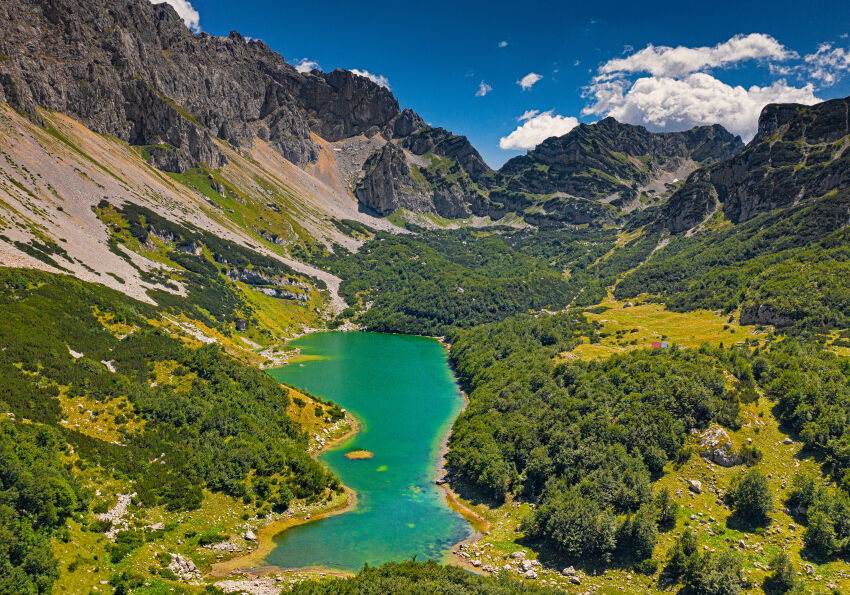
pixel 453 499
pixel 250 563
pixel 244 563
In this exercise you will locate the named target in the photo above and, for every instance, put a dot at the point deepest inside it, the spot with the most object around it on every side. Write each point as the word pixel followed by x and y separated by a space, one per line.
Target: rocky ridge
pixel 133 70
pixel 612 162
pixel 799 153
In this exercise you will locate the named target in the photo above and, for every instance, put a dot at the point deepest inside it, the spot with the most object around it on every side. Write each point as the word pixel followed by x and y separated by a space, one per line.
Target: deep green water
pixel 406 398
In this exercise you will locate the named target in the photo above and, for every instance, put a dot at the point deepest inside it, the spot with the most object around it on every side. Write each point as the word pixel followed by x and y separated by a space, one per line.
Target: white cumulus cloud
pixel 679 61
pixel 679 93
pixel 305 65
pixel 483 89
pixel 828 63
pixel 378 79
pixel 535 128
pixel 186 11
pixel 503 44
pixel 666 103
pixel 529 80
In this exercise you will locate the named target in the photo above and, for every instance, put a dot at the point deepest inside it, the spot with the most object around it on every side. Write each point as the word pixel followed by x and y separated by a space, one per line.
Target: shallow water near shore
pixel 405 396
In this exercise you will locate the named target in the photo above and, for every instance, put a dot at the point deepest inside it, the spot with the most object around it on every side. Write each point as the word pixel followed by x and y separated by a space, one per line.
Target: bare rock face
pixel 690 205
pixel 440 141
pixel 799 153
pixel 387 184
pixel 132 69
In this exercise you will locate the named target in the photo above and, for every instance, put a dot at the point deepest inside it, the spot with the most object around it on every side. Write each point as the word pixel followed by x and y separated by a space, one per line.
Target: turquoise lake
pixel 405 396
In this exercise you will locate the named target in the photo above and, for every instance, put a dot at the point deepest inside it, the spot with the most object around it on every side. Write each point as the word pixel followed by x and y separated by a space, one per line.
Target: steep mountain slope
pixel 430 171
pixel 799 153
pixel 133 70
pixel 53 177
pixel 613 162
pixel 591 174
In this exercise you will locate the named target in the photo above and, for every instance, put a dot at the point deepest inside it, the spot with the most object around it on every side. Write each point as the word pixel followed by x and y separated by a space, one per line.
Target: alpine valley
pixel 643 376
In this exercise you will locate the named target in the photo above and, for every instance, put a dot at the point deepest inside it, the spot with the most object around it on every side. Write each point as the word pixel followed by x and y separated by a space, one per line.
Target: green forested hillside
pixel 435 280
pixel 187 417
pixel 788 268
pixel 37 495
pixel 417 578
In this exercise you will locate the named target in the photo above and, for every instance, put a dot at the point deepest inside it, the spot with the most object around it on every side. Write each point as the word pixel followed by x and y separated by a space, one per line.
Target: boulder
pixel 695 486
pixel 723 457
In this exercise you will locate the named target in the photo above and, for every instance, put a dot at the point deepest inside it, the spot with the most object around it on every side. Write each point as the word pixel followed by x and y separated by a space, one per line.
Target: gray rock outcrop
pixel 799 153
pixel 387 183
pixel 132 69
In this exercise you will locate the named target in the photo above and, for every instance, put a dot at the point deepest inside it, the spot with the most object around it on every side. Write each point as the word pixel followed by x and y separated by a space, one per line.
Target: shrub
pixel 714 574
pixel 820 534
pixel 211 538
pixel 98 526
pixel 750 455
pixel 750 497
pixel 648 566
pixel 782 578
pixel 666 509
pixel 638 534
pixel 573 525
pixel 680 553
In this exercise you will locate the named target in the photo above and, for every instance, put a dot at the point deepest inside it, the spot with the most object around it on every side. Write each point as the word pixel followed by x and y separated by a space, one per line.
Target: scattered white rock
pixel 183 567
pixel 116 514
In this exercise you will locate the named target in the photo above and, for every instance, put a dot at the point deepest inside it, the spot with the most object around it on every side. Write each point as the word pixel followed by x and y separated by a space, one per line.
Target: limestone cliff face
pixel 443 143
pixel 799 153
pixel 132 69
pixel 444 183
pixel 387 184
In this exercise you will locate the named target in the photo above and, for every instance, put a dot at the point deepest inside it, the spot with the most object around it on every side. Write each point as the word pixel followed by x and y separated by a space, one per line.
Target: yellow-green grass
pixel 281 318
pixel 97 419
pixel 637 327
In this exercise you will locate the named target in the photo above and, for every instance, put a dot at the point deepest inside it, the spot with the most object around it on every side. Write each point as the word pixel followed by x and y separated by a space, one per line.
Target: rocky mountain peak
pixel 611 161
pixel 799 153
pixel 132 69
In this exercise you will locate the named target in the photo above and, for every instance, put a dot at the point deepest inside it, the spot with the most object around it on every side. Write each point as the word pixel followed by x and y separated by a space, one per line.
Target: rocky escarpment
pixel 799 153
pixel 611 161
pixel 133 70
pixel 387 183
pixel 443 143
pixel 438 173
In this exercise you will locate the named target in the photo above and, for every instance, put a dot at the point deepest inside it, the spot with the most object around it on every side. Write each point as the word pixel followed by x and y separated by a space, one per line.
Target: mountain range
pixel 175 207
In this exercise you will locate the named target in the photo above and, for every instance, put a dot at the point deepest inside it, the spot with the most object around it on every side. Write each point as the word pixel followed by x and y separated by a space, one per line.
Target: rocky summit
pixel 133 70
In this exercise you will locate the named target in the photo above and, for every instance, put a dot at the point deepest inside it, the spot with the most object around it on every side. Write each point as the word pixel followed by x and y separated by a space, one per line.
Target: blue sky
pixel 591 59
